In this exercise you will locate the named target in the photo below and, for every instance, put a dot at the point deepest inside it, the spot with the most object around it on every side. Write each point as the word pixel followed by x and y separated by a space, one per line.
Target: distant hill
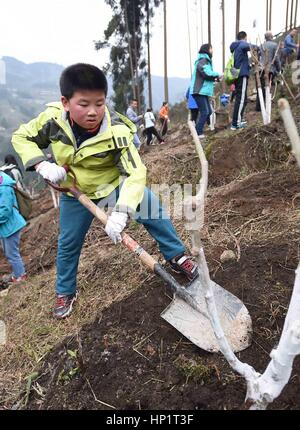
pixel 177 90
pixel 29 87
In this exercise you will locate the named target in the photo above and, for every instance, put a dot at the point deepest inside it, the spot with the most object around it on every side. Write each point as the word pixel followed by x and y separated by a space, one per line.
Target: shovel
pixel 187 313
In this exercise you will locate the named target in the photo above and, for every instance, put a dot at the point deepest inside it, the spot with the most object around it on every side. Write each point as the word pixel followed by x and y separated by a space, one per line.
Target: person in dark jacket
pixel 269 59
pixel 202 86
pixel 240 48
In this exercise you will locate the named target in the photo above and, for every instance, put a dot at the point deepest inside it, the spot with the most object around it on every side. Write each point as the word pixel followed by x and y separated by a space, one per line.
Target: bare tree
pixel 238 14
pixel 292 15
pixel 149 56
pixel 209 21
pixel 223 31
pixel 189 34
pixel 166 53
pixel 287 15
pixel 136 62
pixel 130 51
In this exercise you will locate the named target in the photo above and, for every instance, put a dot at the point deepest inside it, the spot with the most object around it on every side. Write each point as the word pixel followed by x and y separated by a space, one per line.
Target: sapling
pixel 262 389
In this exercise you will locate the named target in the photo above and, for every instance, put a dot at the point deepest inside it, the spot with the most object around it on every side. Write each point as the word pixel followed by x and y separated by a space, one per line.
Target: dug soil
pixel 128 357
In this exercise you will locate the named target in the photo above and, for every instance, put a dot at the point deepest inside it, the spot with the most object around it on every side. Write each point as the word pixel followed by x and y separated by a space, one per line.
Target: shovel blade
pixel 195 326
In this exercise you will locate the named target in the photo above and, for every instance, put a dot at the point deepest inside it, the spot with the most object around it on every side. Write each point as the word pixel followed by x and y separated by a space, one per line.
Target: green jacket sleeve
pixel 132 191
pixel 29 140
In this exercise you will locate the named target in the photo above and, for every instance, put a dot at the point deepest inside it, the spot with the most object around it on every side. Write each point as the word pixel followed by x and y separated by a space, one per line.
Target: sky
pixel 63 31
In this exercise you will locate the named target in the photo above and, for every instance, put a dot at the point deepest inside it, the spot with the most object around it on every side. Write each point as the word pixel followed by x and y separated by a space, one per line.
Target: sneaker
pixel 162 142
pixel 22 278
pixel 11 279
pixel 243 124
pixel 237 127
pixel 201 136
pixel 184 264
pixel 63 306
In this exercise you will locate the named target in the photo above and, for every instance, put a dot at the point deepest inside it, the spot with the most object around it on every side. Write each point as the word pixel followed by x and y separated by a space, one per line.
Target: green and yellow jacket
pixel 100 164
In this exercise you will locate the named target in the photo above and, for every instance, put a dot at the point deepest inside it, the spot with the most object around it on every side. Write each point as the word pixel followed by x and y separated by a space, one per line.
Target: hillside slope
pixel 115 348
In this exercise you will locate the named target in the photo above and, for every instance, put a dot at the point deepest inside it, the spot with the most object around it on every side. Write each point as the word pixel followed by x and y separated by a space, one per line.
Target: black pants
pixel 241 88
pixel 150 132
pixel 263 87
pixel 164 123
pixel 194 115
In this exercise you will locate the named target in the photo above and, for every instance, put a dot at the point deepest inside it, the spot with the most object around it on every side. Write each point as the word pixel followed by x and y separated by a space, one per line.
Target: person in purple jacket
pixel 240 48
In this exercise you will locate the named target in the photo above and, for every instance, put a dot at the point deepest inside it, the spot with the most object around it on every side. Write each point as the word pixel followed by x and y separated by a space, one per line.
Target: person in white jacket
pixel 149 119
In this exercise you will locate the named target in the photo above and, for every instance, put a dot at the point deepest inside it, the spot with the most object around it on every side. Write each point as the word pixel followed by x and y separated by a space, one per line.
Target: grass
pixel 194 369
pixel 32 332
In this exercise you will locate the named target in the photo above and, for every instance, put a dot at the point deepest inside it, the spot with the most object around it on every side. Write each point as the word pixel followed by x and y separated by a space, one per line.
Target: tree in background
pixel 125 36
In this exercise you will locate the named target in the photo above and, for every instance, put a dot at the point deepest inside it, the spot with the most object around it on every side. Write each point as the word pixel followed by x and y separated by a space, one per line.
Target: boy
pixel 98 145
pixel 240 48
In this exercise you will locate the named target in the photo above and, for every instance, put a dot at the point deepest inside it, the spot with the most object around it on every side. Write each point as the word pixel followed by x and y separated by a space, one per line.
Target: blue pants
pixel 11 250
pixel 205 112
pixel 75 221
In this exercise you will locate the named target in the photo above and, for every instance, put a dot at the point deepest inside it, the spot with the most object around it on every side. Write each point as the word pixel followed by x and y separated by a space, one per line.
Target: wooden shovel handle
pixel 98 213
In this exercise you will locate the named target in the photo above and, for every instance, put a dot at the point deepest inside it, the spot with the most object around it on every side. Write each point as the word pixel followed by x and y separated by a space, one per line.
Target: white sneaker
pixel 201 136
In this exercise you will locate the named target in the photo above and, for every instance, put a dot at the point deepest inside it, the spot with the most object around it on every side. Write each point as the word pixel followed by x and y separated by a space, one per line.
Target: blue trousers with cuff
pixel 11 248
pixel 75 221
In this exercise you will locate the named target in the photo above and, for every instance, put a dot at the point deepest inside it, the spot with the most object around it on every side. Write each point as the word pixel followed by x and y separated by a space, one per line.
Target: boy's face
pixel 86 108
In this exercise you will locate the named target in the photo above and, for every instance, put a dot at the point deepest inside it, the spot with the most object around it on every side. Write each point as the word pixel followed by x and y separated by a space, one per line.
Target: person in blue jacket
pixel 11 224
pixel 202 85
pixel 289 45
pixel 240 48
pixel 192 105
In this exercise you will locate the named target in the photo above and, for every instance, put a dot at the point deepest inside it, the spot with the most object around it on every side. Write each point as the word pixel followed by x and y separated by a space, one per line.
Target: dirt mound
pixel 116 349
pixel 130 358
pixel 253 150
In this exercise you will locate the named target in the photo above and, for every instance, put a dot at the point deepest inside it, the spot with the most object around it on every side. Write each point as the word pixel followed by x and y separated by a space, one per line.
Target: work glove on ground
pixel 51 172
pixel 115 225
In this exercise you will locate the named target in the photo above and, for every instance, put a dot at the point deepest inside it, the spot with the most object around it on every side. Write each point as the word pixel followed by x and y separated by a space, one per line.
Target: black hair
pixel 205 49
pixel 10 159
pixel 82 76
pixel 165 103
pixel 134 100
pixel 241 35
pixel 149 110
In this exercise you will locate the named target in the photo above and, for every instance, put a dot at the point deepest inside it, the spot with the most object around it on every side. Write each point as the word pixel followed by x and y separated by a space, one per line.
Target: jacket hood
pixel 234 45
pixel 6 180
pixel 203 56
pixel 8 166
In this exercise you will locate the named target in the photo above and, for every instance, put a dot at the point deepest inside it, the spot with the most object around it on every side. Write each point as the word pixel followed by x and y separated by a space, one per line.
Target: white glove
pixel 51 172
pixel 115 225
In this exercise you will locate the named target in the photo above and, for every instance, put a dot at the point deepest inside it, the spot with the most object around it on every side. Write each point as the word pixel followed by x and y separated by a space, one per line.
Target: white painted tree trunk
pixel 263 106
pixel 261 389
pixel 268 104
pixel 55 203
